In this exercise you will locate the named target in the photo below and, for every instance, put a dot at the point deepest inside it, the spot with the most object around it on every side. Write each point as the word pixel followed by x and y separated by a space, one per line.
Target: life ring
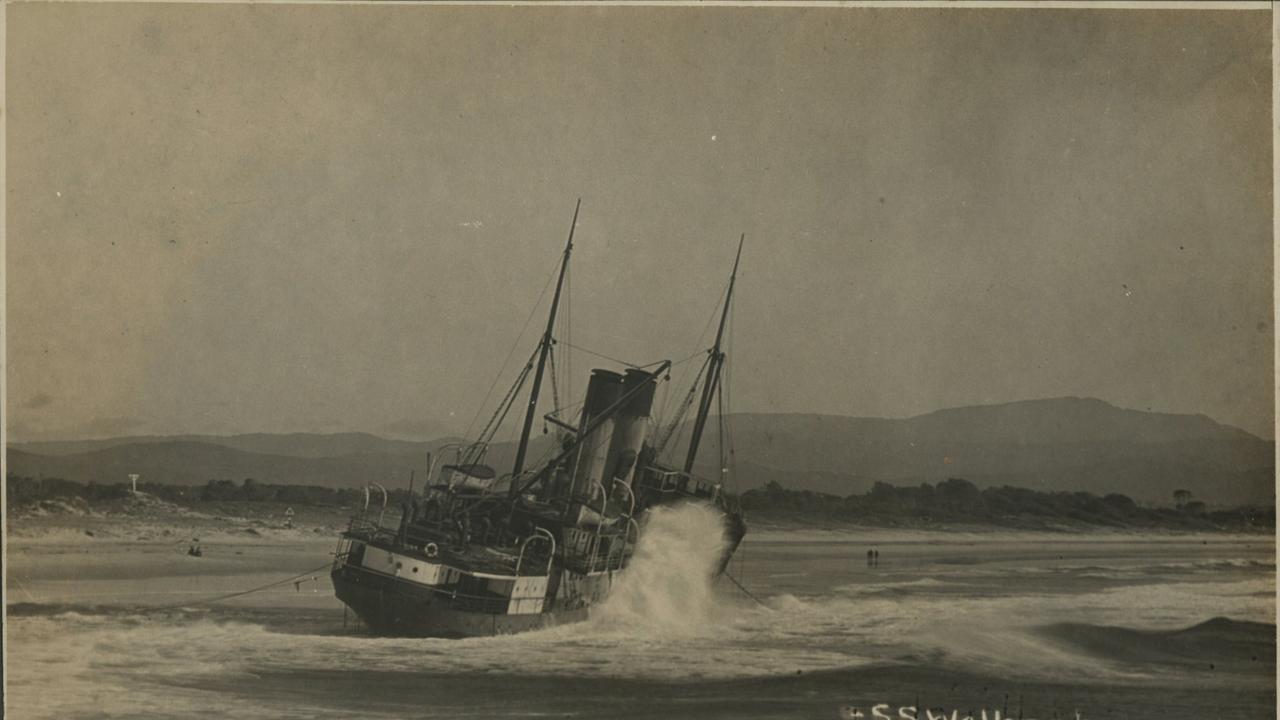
pixel 431 550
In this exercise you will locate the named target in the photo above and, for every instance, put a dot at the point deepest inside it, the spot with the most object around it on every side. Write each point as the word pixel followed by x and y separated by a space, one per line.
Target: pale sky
pixel 244 218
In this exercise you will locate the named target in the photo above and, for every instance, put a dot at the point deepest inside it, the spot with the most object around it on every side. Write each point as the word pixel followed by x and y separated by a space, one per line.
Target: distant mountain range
pixel 299 445
pixel 330 460
pixel 1057 444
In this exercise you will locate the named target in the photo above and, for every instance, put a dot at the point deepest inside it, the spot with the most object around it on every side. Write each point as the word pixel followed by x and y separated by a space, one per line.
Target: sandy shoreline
pixel 64 565
pixel 61 556
pixel 138 556
pixel 133 579
pixel 150 520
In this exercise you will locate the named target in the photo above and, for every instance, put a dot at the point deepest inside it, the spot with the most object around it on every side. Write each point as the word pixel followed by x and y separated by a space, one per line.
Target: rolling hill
pixel 1056 444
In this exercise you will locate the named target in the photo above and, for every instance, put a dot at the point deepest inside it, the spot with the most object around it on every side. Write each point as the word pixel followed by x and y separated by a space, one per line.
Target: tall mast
pixel 545 348
pixel 713 371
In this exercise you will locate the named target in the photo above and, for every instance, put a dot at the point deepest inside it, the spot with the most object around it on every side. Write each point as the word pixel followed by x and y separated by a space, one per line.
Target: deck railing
pixel 370 531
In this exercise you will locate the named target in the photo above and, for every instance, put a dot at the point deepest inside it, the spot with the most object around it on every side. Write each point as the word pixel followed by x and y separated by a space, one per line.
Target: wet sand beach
pixel 1034 625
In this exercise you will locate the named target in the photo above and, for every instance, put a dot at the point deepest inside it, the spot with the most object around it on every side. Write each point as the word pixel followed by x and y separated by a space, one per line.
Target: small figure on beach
pixel 871 554
pixel 194 551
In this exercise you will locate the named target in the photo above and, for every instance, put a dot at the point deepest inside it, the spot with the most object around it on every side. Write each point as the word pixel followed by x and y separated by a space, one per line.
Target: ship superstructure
pixel 481 554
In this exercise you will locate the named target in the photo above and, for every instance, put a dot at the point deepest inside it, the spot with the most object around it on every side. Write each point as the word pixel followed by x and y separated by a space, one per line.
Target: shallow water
pixel 934 617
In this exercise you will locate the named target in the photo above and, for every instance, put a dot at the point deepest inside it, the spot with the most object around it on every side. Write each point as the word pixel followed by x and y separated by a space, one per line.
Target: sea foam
pixel 668 587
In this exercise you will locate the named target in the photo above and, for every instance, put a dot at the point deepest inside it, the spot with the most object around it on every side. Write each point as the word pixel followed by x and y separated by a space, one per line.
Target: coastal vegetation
pixel 22 491
pixel 954 501
pixel 958 501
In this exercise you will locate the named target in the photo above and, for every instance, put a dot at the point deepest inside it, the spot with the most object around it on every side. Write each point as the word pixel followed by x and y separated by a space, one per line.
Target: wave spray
pixel 668 586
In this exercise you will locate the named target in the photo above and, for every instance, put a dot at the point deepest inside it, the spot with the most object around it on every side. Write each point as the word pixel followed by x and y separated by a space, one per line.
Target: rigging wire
pixel 726 385
pixel 667 397
pixel 499 414
pixel 720 453
pixel 657 421
pixel 687 359
pixel 512 351
pixel 568 330
pixel 611 359
pixel 676 429
pixel 555 385
pixel 701 337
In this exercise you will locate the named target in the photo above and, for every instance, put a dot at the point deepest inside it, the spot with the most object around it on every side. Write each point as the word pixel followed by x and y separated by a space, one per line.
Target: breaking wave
pixel 669 585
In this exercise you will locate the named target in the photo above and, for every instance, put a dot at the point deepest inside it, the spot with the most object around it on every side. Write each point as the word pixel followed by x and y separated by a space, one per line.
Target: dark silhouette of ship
pixel 479 554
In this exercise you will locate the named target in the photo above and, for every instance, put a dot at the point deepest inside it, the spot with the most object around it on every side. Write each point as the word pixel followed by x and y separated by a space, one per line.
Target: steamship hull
pixel 390 607
pixel 399 590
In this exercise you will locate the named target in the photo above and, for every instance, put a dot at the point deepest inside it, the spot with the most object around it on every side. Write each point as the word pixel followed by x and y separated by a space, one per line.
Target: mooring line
pixel 746 592
pixel 250 591
pixel 26 592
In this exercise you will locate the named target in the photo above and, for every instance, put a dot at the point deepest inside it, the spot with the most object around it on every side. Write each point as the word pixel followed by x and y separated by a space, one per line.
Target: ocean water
pixel 816 632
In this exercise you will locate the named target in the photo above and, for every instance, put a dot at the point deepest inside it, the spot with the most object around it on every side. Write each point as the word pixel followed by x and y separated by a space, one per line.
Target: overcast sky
pixel 239 218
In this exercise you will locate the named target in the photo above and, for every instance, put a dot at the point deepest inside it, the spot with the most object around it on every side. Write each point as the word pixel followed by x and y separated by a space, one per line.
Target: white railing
pixel 539 533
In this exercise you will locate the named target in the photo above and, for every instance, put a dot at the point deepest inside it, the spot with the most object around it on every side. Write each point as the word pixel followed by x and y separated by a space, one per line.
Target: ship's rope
pixel 728 449
pixel 250 591
pixel 499 414
pixel 727 445
pixel 555 384
pixel 721 453
pixel 660 418
pixel 511 353
pixel 568 332
pixel 507 401
pixel 676 429
pixel 747 592
pixel 610 358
